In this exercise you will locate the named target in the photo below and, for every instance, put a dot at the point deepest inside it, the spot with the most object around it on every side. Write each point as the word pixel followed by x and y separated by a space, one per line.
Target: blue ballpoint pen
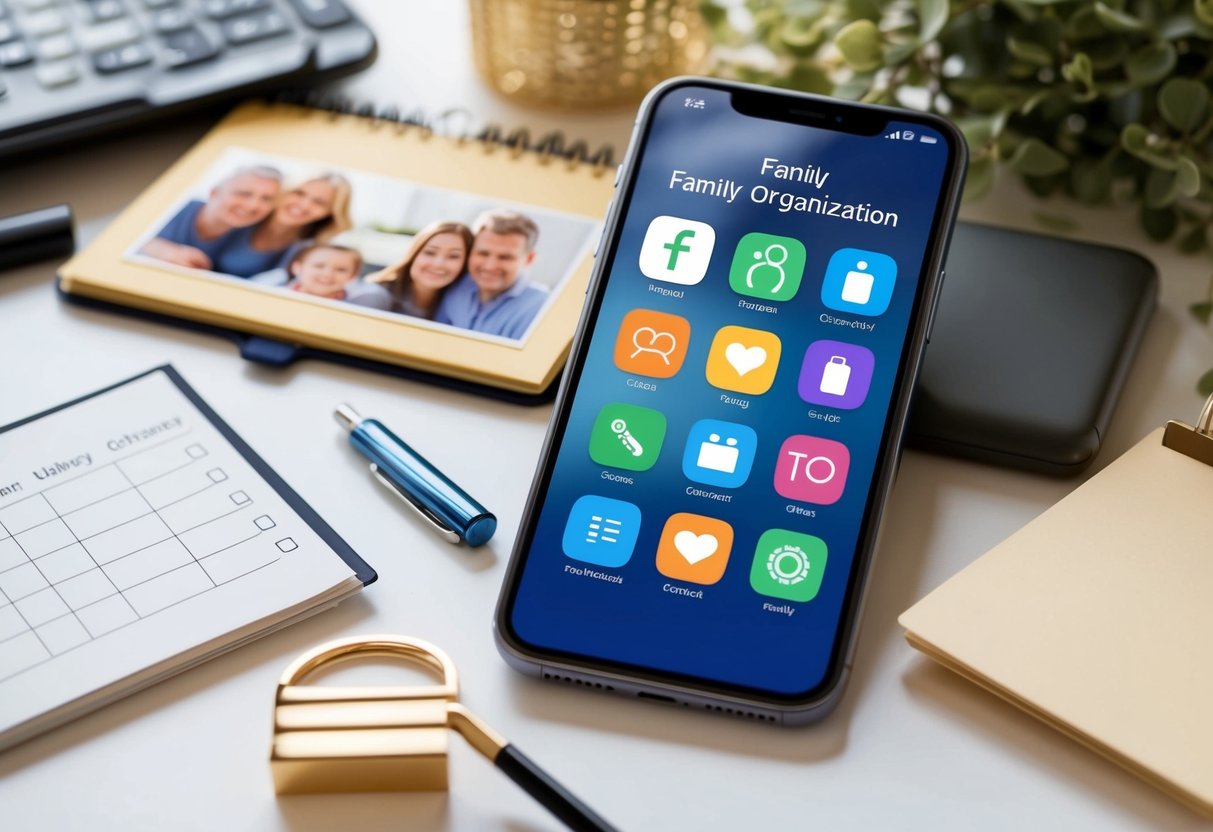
pixel 446 506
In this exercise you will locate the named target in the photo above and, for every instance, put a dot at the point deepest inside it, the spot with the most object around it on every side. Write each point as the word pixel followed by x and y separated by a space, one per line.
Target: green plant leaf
pixel 1187 176
pixel 1028 52
pixel 932 16
pixel 1204 385
pixel 1182 103
pixel 1151 63
pixel 1115 20
pixel 860 46
pixel 980 177
pixel 1190 243
pixel 1035 158
pixel 1162 188
pixel 1090 181
pixel 1204 11
pixel 1159 224
pixel 1079 70
pixel 1202 311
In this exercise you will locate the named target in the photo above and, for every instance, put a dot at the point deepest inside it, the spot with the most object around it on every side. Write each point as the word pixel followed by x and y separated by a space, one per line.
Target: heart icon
pixel 743 359
pixel 695 547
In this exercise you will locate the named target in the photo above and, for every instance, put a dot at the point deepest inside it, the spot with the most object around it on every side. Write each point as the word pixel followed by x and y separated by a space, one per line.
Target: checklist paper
pixel 139 536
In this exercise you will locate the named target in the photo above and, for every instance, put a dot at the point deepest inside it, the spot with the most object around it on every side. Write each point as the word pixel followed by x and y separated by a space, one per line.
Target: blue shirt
pixel 232 252
pixel 509 314
pixel 181 229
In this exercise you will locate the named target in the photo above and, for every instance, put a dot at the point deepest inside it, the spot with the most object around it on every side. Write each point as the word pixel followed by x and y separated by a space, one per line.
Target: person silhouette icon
pixel 767 260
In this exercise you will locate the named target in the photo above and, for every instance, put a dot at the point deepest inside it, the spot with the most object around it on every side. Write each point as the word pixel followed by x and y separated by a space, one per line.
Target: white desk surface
pixel 911 746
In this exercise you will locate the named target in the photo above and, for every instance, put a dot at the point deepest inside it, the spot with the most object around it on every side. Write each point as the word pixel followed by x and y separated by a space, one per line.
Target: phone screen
pixel 708 487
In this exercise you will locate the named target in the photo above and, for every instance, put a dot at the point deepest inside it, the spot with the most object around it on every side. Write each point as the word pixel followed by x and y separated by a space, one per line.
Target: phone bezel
pixel 794 107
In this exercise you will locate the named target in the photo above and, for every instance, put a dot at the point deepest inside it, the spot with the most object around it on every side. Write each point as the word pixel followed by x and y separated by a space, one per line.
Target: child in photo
pixel 328 271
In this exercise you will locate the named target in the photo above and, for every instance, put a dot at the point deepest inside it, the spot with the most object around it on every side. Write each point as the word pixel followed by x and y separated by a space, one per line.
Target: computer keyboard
pixel 71 68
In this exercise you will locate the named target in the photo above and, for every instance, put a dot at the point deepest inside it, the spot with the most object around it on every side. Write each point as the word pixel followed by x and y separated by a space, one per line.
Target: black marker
pixel 36 235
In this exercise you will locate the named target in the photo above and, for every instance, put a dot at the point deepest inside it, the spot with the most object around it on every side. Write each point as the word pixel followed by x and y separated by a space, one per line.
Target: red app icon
pixel 811 469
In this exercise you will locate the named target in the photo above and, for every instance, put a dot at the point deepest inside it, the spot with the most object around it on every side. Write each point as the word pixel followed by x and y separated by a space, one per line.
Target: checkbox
pixel 196 451
pixel 264 522
pixel 287 544
pixel 240 498
pixel 216 475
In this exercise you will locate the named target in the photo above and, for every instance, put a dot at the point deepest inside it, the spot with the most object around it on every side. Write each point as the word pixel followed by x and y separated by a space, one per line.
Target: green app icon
pixel 788 565
pixel 767 266
pixel 627 436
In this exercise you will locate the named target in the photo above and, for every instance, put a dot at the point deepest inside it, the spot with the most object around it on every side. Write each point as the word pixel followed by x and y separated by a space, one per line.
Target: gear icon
pixel 788 564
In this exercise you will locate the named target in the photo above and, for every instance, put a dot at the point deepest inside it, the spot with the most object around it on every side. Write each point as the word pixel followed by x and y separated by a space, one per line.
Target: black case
pixel 1032 340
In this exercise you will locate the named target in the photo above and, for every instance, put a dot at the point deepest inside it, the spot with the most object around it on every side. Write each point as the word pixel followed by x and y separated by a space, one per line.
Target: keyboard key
pixel 103 10
pixel 15 53
pixel 254 27
pixel 55 47
pixel 121 59
pixel 8 31
pixel 320 14
pixel 220 9
pixel 49 22
pixel 109 35
pixel 187 47
pixel 57 74
pixel 173 19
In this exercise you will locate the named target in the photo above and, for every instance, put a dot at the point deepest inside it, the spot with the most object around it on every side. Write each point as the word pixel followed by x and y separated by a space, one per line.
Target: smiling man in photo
pixel 495 297
pixel 194 236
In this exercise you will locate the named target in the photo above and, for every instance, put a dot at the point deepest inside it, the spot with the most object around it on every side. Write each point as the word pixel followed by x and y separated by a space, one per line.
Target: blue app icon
pixel 719 453
pixel 601 531
pixel 859 281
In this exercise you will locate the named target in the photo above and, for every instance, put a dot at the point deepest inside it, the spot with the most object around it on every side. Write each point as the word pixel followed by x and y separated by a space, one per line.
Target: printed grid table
pixel 100 550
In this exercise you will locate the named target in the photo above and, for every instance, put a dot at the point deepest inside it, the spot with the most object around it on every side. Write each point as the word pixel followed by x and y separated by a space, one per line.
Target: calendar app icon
pixel 719 453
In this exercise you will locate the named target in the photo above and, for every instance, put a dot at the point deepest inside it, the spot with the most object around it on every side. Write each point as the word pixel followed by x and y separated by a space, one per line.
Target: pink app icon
pixel 811 469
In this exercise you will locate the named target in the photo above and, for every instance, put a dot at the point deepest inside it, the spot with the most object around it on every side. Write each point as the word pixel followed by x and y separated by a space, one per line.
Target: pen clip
pixel 447 533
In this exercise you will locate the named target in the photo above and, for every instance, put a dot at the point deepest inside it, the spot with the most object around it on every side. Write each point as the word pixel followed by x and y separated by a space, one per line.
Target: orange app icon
pixel 694 548
pixel 743 359
pixel 652 343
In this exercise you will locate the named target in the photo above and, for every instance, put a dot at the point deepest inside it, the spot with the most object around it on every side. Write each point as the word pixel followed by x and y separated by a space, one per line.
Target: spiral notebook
pixel 1096 617
pixel 366 238
pixel 140 536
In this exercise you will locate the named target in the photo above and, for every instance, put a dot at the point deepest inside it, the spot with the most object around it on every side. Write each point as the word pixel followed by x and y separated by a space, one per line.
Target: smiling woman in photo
pixel 435 259
pixel 315 209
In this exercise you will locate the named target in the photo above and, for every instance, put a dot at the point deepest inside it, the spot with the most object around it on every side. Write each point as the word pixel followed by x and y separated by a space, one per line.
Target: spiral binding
pixel 549 146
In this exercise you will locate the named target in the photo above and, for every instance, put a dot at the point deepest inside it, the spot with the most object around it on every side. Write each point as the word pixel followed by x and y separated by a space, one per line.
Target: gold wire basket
pixel 584 54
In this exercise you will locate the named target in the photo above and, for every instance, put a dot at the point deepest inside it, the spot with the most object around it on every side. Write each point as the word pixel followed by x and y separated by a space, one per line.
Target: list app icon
pixel 859 281
pixel 601 531
pixel 811 469
pixel 677 250
pixel 836 374
pixel 652 343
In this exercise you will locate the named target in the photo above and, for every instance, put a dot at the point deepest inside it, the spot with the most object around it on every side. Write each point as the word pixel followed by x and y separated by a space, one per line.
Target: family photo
pixel 381 246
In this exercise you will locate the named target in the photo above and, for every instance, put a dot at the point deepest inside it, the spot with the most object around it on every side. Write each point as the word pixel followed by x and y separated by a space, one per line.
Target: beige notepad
pixel 1097 617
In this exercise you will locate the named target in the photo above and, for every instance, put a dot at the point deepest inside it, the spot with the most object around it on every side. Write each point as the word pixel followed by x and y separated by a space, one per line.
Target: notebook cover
pixel 1096 618
pixel 104 272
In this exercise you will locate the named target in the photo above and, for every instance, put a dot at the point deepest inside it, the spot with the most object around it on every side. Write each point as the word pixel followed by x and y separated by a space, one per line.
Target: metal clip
pixel 1196 442
pixel 447 533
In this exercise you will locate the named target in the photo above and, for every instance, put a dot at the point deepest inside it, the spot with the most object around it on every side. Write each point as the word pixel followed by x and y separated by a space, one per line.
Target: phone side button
pixel 598 245
pixel 935 305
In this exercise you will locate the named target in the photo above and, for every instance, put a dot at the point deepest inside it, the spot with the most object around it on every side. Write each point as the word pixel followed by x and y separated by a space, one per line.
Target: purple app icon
pixel 835 374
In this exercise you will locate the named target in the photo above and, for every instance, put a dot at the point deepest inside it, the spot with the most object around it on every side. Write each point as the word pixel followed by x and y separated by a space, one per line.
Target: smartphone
pixel 703 517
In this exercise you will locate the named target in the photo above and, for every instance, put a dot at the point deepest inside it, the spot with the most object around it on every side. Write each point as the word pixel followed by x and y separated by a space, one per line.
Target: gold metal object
pixel 583 54
pixel 362 739
pixel 1194 441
